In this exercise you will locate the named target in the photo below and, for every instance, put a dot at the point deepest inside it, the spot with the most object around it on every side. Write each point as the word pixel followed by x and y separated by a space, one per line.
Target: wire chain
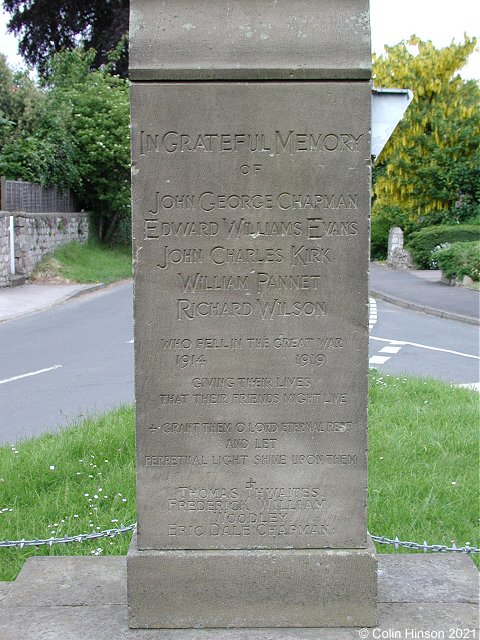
pixel 439 548
pixel 111 533
pixel 82 537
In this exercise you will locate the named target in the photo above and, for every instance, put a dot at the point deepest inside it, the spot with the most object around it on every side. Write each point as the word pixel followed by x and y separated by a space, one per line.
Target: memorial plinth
pixel 251 195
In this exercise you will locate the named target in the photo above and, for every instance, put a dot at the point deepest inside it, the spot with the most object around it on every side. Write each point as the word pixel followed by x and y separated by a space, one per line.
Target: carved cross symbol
pixel 251 482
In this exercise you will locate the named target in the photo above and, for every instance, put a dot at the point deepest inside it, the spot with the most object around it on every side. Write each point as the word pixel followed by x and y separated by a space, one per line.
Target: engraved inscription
pixel 313 228
pixel 188 309
pixel 268 511
pixel 209 202
pixel 276 142
pixel 176 428
pixel 251 231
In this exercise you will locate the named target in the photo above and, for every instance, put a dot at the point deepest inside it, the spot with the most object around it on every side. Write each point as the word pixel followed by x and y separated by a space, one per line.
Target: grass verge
pixel 79 480
pixel 423 474
pixel 85 263
pixel 423 462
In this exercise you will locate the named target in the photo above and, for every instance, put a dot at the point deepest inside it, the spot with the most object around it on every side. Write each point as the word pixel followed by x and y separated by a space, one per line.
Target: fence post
pixel 12 245
pixel 3 194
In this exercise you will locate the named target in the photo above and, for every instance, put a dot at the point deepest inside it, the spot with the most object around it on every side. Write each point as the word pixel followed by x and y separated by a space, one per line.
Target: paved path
pixel 408 290
pixel 16 302
pixel 85 598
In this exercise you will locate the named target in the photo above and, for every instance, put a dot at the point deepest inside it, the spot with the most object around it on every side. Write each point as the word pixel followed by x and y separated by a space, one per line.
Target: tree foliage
pixel 94 109
pixel 20 102
pixel 46 27
pixel 80 140
pixel 32 146
pixel 431 165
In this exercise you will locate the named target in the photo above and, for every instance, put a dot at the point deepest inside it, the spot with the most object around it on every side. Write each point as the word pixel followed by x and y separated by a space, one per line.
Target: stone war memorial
pixel 251 194
pixel 251 197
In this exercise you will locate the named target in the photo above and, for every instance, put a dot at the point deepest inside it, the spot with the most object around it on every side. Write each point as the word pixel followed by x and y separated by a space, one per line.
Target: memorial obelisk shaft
pixel 251 199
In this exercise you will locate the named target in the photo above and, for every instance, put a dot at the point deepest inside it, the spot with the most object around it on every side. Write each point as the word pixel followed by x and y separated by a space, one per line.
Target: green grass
pixel 423 474
pixel 86 263
pixel 423 461
pixel 91 487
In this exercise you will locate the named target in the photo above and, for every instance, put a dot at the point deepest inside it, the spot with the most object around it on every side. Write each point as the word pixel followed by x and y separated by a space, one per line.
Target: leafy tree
pixel 46 27
pixel 431 165
pixel 80 141
pixel 20 102
pixel 94 109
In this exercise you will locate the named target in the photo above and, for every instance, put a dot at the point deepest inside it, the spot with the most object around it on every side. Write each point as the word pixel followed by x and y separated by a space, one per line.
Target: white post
pixel 12 245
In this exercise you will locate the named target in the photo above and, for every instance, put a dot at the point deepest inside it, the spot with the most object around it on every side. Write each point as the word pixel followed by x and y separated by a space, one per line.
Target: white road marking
pixel 31 373
pixel 378 359
pixel 402 343
pixel 372 313
pixel 372 319
pixel 390 349
pixel 474 386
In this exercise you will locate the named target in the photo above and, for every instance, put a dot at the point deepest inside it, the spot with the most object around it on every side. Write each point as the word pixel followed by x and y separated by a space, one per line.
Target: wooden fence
pixel 17 195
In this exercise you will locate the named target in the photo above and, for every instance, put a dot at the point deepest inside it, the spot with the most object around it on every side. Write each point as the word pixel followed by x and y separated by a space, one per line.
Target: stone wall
pixel 37 234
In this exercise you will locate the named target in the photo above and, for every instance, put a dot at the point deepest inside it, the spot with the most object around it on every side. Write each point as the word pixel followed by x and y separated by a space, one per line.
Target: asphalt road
pixel 76 359
pixel 88 340
pixel 404 341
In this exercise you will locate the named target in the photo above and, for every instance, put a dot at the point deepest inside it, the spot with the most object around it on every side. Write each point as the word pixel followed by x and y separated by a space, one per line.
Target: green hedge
pixel 379 230
pixel 384 217
pixel 459 259
pixel 422 243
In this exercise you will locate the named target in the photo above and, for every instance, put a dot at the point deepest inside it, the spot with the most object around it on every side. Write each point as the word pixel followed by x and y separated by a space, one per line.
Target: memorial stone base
pixel 85 598
pixel 252 588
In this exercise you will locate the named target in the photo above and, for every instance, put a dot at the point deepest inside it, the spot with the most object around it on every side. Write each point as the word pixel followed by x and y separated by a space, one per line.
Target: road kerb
pixel 440 313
